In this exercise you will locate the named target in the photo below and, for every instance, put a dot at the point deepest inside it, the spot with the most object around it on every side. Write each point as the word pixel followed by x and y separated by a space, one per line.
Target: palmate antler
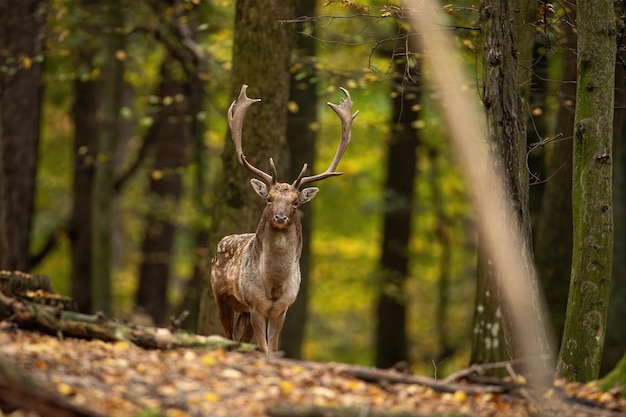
pixel 237 113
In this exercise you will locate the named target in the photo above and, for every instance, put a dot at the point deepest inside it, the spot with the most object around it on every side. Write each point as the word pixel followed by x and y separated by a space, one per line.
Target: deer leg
pixel 243 328
pixel 227 317
pixel 273 330
pixel 259 327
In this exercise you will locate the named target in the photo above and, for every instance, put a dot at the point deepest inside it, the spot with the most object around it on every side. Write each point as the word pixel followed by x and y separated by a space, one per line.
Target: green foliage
pixel 355 53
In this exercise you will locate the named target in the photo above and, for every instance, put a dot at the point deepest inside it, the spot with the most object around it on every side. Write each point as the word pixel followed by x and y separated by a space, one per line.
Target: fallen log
pixel 56 321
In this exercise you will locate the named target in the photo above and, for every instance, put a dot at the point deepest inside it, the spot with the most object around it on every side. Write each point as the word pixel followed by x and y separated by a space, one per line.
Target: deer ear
pixel 307 194
pixel 260 187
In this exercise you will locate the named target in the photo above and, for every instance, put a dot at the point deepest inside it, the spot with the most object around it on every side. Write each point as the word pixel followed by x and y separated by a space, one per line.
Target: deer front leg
pixel 258 325
pixel 273 330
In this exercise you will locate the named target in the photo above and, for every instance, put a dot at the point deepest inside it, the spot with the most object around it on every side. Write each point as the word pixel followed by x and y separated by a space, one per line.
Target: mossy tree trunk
pixel 587 306
pixel 262 49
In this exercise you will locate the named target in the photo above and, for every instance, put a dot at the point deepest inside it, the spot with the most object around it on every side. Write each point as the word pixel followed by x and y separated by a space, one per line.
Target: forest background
pixel 176 57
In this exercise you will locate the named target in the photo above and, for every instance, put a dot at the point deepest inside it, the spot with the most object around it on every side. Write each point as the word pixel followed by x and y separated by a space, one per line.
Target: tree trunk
pixel 171 143
pixel 506 137
pixel 108 129
pixel 262 49
pixel 533 75
pixel 587 305
pixel 553 232
pixel 488 343
pixel 21 40
pixel 301 137
pixel 615 343
pixel 391 337
pixel 85 134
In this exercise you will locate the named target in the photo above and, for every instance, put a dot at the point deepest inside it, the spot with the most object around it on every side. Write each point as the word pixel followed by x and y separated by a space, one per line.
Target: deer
pixel 255 277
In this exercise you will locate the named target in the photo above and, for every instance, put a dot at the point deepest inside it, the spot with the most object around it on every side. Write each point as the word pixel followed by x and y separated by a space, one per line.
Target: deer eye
pixel 296 203
pixel 270 199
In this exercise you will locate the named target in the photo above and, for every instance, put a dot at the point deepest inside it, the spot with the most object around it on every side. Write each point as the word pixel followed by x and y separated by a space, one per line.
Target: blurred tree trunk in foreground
pixel 261 55
pixel 592 256
pixel 301 136
pixel 553 232
pixel 506 137
pixel 21 40
pixel 615 342
pixel 401 166
pixel 172 134
pixel 107 116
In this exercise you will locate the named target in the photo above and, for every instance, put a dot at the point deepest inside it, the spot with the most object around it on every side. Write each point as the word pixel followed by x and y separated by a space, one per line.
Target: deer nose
pixel 280 218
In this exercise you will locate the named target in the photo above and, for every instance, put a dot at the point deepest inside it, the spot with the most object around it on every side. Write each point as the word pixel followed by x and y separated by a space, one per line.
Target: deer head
pixel 285 198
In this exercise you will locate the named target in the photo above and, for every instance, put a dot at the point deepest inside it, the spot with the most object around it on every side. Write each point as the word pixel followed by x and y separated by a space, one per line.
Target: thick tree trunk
pixel 262 49
pixel 108 129
pixel 587 306
pixel 172 137
pixel 553 232
pixel 506 133
pixel 301 139
pixel 21 39
pixel 401 165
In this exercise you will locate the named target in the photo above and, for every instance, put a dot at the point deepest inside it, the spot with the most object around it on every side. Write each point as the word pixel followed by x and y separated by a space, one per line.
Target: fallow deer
pixel 256 276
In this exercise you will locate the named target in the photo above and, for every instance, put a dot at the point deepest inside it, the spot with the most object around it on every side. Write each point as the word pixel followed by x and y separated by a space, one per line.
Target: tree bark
pixel 262 49
pixel 85 133
pixel 21 40
pixel 172 137
pixel 401 167
pixel 506 138
pixel 301 138
pixel 587 306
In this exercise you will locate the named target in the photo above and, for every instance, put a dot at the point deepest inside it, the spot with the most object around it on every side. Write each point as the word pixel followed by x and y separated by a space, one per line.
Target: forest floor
pixel 92 377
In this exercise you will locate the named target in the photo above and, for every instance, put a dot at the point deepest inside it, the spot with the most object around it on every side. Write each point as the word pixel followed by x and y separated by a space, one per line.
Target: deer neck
pixel 278 250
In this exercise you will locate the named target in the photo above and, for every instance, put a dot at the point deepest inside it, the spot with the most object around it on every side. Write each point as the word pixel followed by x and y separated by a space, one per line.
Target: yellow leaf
pixel 121 345
pixel 157 175
pixel 208 359
pixel 26 62
pixel 285 387
pixel 212 397
pixel 65 389
pixel 292 106
pixel 120 55
pixel 460 396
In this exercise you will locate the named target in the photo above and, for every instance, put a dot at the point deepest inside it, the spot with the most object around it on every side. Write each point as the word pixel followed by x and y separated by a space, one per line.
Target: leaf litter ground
pixel 120 379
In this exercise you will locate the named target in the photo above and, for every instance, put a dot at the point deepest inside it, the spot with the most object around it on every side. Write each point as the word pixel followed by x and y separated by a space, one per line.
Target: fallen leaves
pixel 120 379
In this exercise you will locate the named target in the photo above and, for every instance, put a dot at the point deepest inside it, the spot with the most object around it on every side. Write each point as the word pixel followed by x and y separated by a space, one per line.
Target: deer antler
pixel 236 115
pixel 344 111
